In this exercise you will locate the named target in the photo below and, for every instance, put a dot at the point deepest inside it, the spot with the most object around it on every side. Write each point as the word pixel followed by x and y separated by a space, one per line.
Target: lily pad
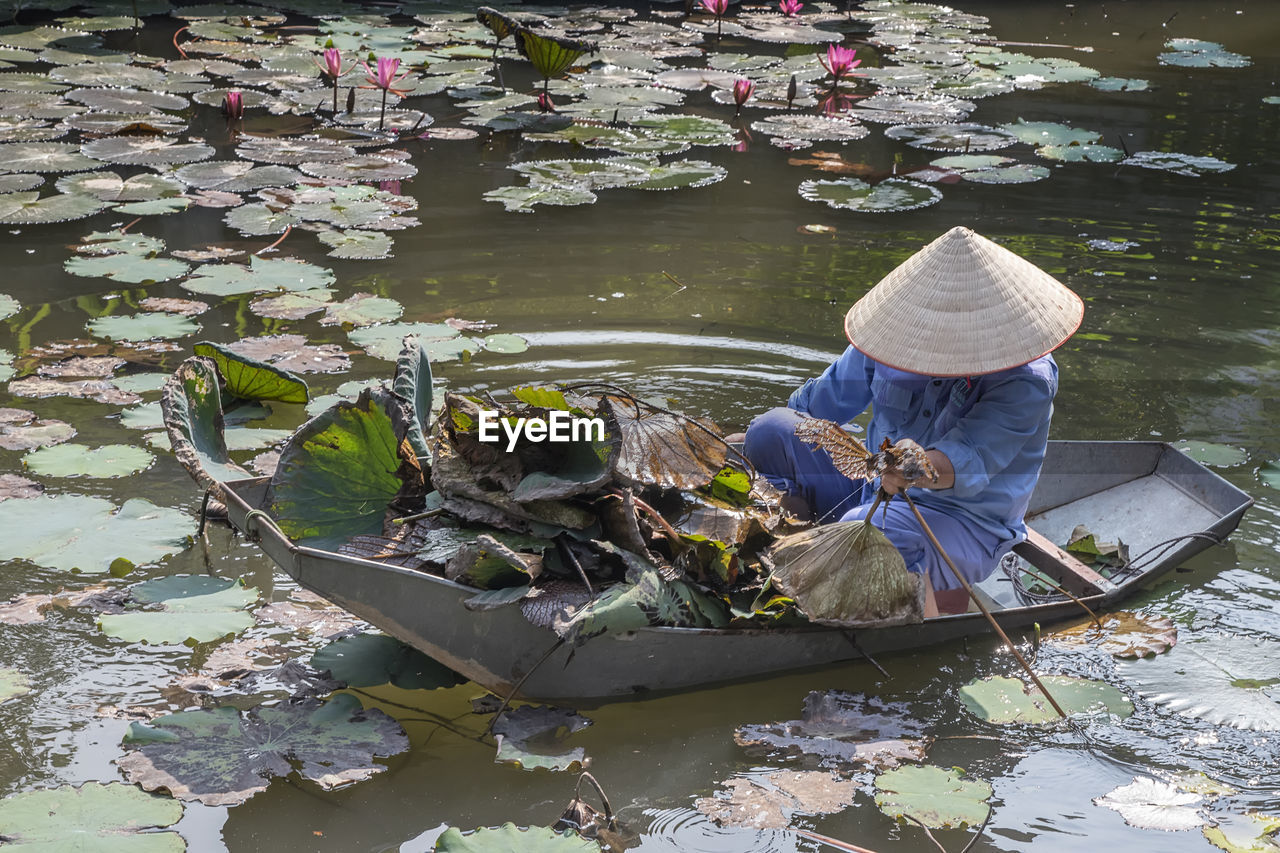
pixel 810 128
pixel 259 276
pixel 1209 453
pixel 1081 152
pixel 221 757
pixel 249 379
pixel 142 327
pixel 293 353
pixel 118 100
pixel 78 460
pixel 13 487
pixel 87 534
pixel 235 176
pixel 158 207
pixel 1246 833
pixel 935 796
pixel 117 242
pixel 108 186
pixel 91 816
pixel 509 838
pixel 8 306
pixel 385 341
pixel 1123 634
pixel 842 729
pixel 770 801
pixel 43 157
pixel 1019 173
pixel 505 343
pixel 1050 133
pixel 20 430
pixel 1197 53
pixel 258 220
pixel 1150 804
pixel 892 195
pixel 1189 165
pixel 126 267
pixel 193 609
pixel 145 150
pixel 952 137
pixel 367 660
pixel 292 305
pixel 1120 84
pixel 12 685
pixel 29 209
pixel 1228 680
pixel 523 199
pixel 531 736
pixel 294 151
pixel 362 167
pixel 1003 700
pixel 691 129
pixel 356 244
pixel 340 471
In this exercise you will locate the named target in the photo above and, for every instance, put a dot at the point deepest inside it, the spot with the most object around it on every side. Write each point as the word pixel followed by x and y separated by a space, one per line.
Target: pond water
pixel 720 298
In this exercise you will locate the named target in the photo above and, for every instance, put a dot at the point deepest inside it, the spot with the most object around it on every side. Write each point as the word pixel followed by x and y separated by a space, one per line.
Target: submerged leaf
pixel 847 574
pixel 126 267
pixel 220 757
pixel 531 737
pixel 142 327
pixel 367 660
pixel 259 276
pixel 1228 680
pixel 1123 634
pixel 91 816
pixel 935 796
pixel 509 838
pixel 77 460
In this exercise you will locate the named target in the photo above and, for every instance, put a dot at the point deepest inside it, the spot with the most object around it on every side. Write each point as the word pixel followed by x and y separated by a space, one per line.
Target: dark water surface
pixel 1179 275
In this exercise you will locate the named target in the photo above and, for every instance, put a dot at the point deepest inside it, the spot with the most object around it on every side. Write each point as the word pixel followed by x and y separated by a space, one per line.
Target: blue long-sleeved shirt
pixel 994 428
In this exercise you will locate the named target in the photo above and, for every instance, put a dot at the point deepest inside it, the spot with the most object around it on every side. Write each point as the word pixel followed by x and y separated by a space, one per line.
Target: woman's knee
pixel 769 433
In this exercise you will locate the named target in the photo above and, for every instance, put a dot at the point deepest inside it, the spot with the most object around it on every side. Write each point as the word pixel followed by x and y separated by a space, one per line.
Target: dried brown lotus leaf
pixel 1124 634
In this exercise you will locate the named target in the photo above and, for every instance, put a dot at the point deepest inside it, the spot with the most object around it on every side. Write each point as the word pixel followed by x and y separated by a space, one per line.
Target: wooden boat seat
pixel 1061 566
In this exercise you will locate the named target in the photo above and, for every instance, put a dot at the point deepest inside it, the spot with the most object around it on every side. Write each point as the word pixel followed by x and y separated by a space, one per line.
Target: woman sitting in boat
pixel 951 349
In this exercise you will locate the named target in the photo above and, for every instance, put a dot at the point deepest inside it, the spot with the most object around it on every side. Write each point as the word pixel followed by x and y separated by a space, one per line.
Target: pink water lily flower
pixel 332 68
pixel 385 77
pixel 839 60
pixel 545 104
pixel 790 8
pixel 716 7
pixel 233 105
pixel 742 89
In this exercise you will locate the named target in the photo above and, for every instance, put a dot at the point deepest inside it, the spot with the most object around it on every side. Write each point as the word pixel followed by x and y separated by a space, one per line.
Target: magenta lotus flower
pixel 332 68
pixel 742 89
pixel 790 8
pixel 839 61
pixel 233 105
pixel 545 104
pixel 717 8
pixel 385 79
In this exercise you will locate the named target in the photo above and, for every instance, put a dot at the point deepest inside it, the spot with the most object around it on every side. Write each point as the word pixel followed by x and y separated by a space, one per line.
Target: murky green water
pixel 1178 274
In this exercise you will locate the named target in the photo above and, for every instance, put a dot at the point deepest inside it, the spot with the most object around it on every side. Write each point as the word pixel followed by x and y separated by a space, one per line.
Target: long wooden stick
pixel 833 842
pixel 924 525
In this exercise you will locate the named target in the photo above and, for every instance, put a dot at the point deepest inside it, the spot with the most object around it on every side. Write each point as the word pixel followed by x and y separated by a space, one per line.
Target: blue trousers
pixel 801 469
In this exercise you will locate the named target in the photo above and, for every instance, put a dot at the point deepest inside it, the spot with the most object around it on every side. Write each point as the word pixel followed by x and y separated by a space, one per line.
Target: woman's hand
pixel 894 483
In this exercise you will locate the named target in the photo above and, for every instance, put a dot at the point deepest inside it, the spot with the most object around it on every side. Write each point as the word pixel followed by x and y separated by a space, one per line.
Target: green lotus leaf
pixel 1008 700
pixel 970 162
pixel 677 174
pixel 509 838
pixel 250 379
pixel 235 176
pixel 140 383
pixel 1031 75
pixel 340 471
pixel 975 83
pixel 145 150
pixel 350 214
pixel 1050 133
pixel 586 174
pixel 1250 832
pixel 1195 53
pixel 523 199
pixel 19 183
pixel 356 244
pixel 1209 453
pixel 108 186
pixel 142 327
pixel 1179 164
pixel 1075 153
pixel 936 797
pixel 367 660
pixel 221 757
pixel 126 100
pixel 505 343
pixel 110 818
pixel 362 167
pixel 144 416
pixel 531 736
pixel 43 157
pixel 6 365
pixel 117 241
pixel 386 341
pixel 591 136
pixel 191 408
pixel 8 306
pixel 110 74
pixel 1227 680
pixel 294 151
pixel 361 309
pixel 29 209
pixel 19 430
pixel 952 137
pixel 412 383
pixel 811 128
pixel 258 220
pixel 695 130
pixel 1120 84
pixel 259 276
pixel 1019 173
pixel 247 438
pixel 893 195
pixel 193 609
pixel 292 306
pixel 12 685
pixel 78 460
pixel 131 268
pixel 87 534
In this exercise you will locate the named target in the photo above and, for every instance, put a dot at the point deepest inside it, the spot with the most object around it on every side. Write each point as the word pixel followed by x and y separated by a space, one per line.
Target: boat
pixel 1160 502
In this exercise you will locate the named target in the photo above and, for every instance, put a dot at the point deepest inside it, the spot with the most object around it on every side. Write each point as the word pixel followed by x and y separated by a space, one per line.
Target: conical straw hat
pixel 963 306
